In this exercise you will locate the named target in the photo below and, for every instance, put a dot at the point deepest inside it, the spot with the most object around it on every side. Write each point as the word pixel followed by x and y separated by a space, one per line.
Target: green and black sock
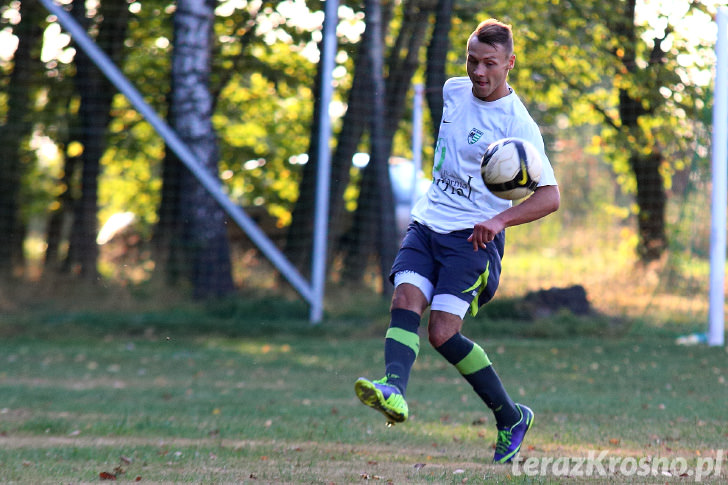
pixel 401 346
pixel 475 366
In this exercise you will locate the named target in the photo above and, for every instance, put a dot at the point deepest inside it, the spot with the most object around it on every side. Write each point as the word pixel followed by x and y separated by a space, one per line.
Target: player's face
pixel 488 67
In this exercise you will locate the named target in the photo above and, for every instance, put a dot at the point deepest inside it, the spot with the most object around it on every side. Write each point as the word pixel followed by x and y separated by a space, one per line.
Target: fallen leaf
pixel 125 459
pixel 614 441
pixel 481 420
pixel 420 466
pixel 107 476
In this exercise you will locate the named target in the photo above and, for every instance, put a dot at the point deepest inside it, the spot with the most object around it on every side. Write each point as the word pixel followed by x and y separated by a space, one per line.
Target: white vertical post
pixel 716 316
pixel 321 216
pixel 416 140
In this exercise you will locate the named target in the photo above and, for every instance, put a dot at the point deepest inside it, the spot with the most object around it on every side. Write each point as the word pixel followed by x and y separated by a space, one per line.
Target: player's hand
pixel 484 232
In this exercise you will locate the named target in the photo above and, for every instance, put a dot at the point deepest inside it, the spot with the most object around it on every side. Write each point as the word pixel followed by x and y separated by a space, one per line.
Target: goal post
pixel 716 313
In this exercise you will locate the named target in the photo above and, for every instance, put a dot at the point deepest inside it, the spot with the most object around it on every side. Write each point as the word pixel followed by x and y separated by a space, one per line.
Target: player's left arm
pixel 542 202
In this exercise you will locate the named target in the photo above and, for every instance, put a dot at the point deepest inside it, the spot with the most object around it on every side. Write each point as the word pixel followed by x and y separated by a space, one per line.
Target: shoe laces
pixel 504 441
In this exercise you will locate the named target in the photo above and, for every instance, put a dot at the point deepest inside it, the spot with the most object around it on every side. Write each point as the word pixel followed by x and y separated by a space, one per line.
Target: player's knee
pixel 409 297
pixel 437 337
pixel 434 338
pixel 440 331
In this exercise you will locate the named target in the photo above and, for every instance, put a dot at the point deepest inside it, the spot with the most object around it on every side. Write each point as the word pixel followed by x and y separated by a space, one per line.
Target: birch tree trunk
pixel 203 222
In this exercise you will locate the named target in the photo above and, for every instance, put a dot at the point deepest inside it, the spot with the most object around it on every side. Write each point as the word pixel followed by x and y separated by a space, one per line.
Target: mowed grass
pixel 273 402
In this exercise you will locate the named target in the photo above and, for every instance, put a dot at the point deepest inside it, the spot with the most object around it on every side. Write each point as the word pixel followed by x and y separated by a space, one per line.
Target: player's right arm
pixel 542 202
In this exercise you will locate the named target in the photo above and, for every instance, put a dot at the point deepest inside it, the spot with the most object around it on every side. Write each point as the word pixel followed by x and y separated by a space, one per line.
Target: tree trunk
pixel 436 60
pixel 167 239
pixel 17 128
pixel 299 239
pixel 352 130
pixel 651 197
pixel 375 211
pixel 651 200
pixel 57 218
pixel 374 225
pixel 205 234
pixel 96 94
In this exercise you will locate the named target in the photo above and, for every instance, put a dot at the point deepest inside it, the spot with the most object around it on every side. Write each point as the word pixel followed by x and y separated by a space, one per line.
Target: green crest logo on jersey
pixel 474 136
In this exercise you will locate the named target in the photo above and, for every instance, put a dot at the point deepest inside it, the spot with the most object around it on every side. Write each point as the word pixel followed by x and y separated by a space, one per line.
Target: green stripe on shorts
pixel 480 284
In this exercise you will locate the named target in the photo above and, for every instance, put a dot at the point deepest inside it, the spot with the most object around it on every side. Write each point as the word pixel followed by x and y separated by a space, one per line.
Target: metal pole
pixel 716 322
pixel 321 216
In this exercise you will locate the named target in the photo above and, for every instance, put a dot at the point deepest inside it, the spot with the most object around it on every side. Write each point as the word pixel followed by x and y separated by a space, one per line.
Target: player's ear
pixel 512 62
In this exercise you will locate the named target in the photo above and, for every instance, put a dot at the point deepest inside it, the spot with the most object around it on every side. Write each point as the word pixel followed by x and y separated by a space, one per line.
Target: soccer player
pixel 450 258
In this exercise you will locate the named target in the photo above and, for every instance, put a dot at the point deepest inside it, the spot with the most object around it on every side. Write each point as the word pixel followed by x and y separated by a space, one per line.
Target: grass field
pixel 221 396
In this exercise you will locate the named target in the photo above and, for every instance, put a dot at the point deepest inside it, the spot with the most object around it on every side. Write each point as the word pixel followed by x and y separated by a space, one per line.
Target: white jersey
pixel 458 198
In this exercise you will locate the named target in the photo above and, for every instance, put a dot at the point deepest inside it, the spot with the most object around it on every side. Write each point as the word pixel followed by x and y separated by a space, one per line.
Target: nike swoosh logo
pixel 524 171
pixel 446 121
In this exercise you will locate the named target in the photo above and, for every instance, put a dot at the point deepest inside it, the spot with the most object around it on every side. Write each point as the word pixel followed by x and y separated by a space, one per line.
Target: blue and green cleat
pixel 510 439
pixel 385 398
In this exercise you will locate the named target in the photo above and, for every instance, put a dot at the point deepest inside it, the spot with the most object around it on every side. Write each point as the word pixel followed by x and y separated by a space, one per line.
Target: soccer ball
pixel 511 168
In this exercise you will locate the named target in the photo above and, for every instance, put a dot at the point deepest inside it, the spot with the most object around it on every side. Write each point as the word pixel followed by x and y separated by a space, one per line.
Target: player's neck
pixel 499 93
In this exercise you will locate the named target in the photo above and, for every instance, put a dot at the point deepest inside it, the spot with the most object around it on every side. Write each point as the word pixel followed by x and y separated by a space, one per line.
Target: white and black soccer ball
pixel 511 168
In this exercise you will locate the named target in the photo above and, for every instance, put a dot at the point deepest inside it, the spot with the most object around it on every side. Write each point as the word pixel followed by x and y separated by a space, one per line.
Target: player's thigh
pixel 409 296
pixel 415 254
pixel 462 270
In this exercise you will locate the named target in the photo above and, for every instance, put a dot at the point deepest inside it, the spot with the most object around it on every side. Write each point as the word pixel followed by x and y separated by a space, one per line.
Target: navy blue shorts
pixel 450 264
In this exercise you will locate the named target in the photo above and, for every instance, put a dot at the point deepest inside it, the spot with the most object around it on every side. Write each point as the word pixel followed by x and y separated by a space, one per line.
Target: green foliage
pixel 261 142
pixel 589 64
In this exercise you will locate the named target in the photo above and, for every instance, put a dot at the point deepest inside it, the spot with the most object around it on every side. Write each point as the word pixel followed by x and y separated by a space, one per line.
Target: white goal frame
pixel 716 312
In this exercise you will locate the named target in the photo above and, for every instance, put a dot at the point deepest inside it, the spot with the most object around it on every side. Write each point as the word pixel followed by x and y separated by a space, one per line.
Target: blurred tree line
pixel 238 81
